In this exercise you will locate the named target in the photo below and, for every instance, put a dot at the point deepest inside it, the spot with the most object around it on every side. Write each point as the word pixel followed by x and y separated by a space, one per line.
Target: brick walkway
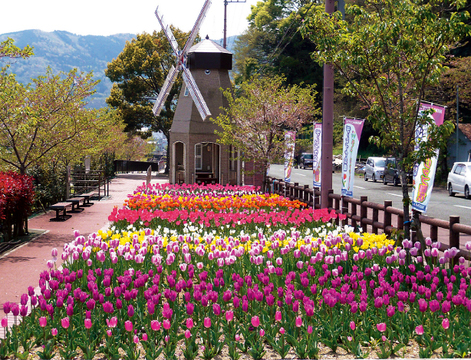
pixel 21 267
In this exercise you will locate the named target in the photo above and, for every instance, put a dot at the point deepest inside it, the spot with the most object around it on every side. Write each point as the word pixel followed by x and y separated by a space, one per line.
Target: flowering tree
pixel 389 52
pixel 39 117
pixel 255 121
pixel 9 50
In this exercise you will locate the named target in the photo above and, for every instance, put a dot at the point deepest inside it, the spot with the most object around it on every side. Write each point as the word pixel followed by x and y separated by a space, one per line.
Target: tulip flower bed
pixel 196 272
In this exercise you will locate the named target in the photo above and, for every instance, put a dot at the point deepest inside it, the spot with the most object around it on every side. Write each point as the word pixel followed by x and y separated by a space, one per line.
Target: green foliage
pixel 272 45
pixel 10 50
pixel 40 117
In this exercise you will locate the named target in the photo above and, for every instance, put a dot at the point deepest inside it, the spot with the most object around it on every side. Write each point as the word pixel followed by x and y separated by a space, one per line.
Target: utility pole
pixel 327 124
pixel 225 18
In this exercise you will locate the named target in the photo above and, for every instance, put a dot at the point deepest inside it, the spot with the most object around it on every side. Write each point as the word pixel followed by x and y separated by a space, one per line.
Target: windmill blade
pixel 195 94
pixel 168 32
pixel 159 103
pixel 196 27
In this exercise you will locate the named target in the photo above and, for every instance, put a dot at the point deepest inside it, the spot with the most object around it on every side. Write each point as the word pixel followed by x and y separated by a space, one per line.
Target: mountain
pixel 63 51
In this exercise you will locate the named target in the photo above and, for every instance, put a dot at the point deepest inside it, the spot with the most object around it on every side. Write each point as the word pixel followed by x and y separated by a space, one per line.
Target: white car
pixel 459 179
pixel 374 168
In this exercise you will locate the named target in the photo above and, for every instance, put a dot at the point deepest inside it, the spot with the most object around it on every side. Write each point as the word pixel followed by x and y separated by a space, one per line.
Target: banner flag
pixel 424 173
pixel 290 141
pixel 316 155
pixel 351 140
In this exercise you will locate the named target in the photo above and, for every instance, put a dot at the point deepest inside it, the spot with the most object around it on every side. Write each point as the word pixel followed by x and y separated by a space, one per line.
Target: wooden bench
pixel 62 206
pixel 86 198
pixel 75 201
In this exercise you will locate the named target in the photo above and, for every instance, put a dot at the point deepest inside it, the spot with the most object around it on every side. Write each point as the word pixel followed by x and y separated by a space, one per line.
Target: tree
pixel 273 44
pixel 39 117
pixel 255 121
pixel 9 50
pixel 138 74
pixel 389 52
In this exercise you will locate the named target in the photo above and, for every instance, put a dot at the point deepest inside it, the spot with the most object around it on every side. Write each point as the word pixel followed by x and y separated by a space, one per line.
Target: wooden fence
pixel 378 217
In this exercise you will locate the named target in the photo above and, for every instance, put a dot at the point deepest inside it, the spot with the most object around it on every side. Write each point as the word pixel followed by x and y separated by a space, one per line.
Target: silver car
pixel 374 168
pixel 459 179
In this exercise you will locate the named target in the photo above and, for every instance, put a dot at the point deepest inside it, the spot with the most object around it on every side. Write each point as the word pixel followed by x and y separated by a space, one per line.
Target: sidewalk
pixel 21 267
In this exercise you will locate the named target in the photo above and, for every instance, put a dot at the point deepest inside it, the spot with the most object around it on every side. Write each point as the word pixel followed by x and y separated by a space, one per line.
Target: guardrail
pixel 378 217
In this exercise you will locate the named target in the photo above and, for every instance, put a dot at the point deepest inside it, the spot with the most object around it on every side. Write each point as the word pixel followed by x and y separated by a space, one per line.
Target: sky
pixel 108 17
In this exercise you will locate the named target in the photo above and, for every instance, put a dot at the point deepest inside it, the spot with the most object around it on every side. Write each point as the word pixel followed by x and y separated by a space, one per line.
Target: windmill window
pixel 207 72
pixel 198 156
pixel 186 91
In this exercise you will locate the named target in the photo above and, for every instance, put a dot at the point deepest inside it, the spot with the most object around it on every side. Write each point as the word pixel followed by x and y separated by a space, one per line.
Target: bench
pixel 86 198
pixel 61 206
pixel 75 201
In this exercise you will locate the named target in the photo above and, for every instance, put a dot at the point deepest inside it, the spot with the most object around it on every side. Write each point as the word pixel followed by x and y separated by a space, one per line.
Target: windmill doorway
pixel 207 163
pixel 179 161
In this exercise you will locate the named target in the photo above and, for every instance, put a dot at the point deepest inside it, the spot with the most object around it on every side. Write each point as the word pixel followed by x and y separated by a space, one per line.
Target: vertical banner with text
pixel 316 154
pixel 351 140
pixel 290 141
pixel 424 173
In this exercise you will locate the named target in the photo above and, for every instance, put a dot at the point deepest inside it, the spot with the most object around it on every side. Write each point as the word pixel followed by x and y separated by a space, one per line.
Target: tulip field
pixel 199 272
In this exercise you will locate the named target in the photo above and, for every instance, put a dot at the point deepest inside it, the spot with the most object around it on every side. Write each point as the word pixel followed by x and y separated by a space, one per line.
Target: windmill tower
pixel 195 157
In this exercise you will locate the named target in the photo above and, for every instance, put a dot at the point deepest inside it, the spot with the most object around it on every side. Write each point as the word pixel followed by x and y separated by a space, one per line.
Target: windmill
pixel 180 65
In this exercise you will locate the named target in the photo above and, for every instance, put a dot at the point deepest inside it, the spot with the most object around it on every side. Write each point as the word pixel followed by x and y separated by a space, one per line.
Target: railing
pixel 378 217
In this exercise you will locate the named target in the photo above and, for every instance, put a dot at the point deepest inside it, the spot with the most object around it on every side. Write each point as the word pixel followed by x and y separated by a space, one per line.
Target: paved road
pixel 441 205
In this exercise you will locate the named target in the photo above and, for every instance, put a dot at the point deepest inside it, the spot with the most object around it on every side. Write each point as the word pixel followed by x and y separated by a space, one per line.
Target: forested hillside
pixel 63 51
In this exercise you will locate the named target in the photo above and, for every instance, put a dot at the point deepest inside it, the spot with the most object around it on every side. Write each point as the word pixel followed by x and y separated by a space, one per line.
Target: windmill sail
pixel 181 65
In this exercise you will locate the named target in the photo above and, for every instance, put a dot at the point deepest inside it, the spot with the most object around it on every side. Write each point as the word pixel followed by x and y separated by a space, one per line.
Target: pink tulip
pixel 65 322
pixel 353 325
pixel 4 322
pixel 309 329
pixel 88 323
pixel 282 330
pixel 166 324
pixel 278 316
pixel 445 323
pixel 187 334
pixel 128 325
pixel 381 327
pixel 189 323
pixel 419 330
pixel 229 315
pixel 262 332
pixel 109 333
pixel 384 338
pixel 207 322
pixel 155 325
pixel 42 321
pixel 112 322
pixel 54 332
pixel 144 337
pixel 299 321
pixel 237 337
pixel 255 321
pixel 136 339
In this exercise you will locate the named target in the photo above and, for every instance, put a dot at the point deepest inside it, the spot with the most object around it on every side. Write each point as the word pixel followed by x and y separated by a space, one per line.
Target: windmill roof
pixel 208 46
pixel 466 130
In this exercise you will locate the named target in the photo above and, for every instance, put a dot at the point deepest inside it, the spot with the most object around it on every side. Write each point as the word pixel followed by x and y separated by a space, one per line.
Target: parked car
pixel 374 168
pixel 392 173
pixel 459 179
pixel 306 160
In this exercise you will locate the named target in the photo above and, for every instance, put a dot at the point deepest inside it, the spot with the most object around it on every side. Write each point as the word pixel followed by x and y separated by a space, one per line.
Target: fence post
pixel 387 215
pixel 330 202
pixel 306 194
pixel 344 208
pixel 363 212
pixel 454 235
pixel 354 213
